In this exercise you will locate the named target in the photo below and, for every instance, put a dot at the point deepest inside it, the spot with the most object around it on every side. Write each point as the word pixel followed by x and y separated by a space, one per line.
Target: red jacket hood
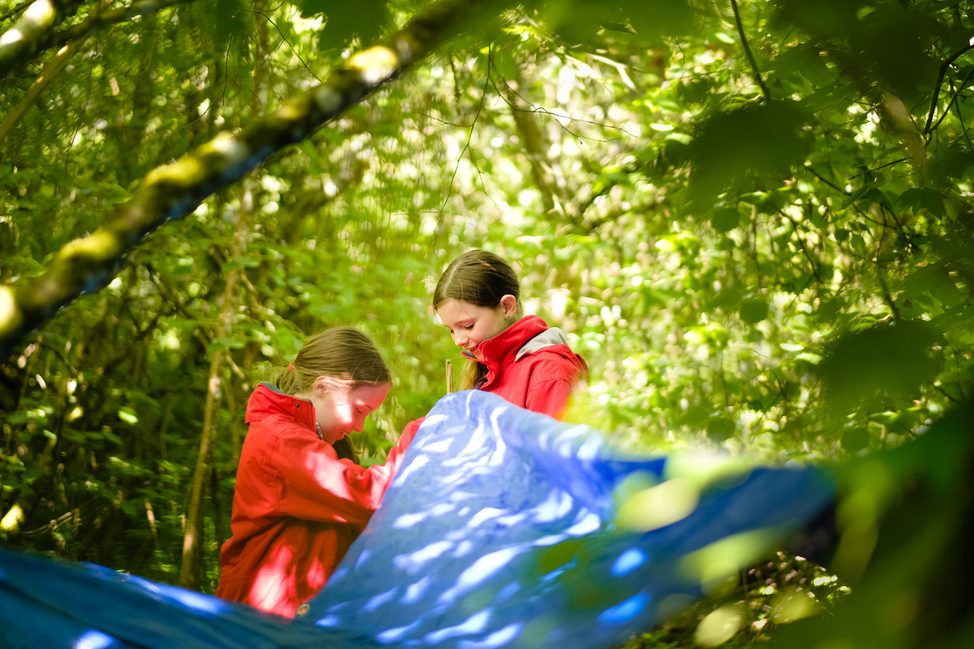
pixel 267 401
pixel 528 335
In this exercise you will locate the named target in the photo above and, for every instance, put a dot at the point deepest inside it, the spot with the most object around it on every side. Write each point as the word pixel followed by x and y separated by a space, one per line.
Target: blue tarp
pixel 503 528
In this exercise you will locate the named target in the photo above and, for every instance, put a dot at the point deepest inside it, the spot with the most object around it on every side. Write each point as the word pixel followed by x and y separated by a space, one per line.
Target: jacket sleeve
pixel 314 484
pixel 396 453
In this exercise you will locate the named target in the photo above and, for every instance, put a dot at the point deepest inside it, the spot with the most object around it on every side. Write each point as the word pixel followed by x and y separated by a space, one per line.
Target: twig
pixel 941 73
pixel 748 53
pixel 951 103
pixel 960 118
pixel 887 295
pixel 51 68
pixel 810 169
pixel 801 244
pixel 882 166
pixel 466 145
pixel 558 116
pixel 950 398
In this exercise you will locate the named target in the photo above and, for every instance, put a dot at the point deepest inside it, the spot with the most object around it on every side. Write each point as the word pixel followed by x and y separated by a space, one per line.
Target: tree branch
pixel 47 75
pixel 13 11
pixel 810 169
pixel 95 21
pixel 953 101
pixel 941 73
pixel 748 53
pixel 28 34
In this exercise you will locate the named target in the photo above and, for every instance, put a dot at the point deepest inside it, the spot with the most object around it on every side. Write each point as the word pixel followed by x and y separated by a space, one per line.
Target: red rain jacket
pixel 296 507
pixel 531 365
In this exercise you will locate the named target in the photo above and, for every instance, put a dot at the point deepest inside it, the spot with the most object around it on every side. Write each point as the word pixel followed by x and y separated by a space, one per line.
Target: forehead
pixel 452 311
pixel 369 395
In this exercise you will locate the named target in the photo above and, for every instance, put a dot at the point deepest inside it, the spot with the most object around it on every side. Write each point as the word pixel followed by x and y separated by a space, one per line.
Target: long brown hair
pixel 481 278
pixel 341 352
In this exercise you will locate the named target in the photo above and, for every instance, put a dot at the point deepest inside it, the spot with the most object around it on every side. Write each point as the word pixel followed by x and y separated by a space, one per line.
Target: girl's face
pixel 341 408
pixel 471 325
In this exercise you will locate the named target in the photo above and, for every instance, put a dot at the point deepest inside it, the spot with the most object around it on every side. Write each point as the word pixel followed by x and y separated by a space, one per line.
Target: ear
pixel 509 304
pixel 322 384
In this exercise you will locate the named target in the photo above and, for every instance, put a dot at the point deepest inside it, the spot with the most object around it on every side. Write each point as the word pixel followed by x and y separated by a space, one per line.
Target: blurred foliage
pixel 747 610
pixel 766 250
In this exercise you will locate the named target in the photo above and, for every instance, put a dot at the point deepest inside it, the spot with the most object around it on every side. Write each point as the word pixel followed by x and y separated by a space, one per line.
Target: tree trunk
pixel 189 570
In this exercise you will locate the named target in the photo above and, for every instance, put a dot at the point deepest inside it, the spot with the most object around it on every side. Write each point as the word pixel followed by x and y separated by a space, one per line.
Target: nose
pixel 460 339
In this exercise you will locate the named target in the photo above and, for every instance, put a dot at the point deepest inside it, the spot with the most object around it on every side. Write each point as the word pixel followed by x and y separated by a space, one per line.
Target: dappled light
pixel 9 316
pixel 94 640
pixel 658 506
pixel 269 588
pixel 719 626
pixel 752 219
pixel 37 17
pixel 715 562
pixel 374 64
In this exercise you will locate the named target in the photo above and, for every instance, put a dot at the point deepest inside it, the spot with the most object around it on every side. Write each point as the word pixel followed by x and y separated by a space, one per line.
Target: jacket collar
pixel 547 338
pixel 266 401
pixel 504 347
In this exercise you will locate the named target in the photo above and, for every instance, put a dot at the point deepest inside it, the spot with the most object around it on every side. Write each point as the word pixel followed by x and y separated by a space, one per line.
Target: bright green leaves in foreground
pixel 757 145
pixel 887 43
pixel 888 360
pixel 346 20
pixel 643 21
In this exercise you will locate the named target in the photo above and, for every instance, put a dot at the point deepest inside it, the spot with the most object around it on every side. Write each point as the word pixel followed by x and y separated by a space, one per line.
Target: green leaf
pixel 855 439
pixel 894 42
pixel 741 148
pixel 578 22
pixel 560 555
pixel 804 60
pixel 504 62
pixel 933 282
pixel 721 428
pixel 822 18
pixel 885 360
pixel 753 311
pixel 309 8
pixel 922 198
pixel 346 20
pixel 128 415
pixel 670 18
pixel 725 219
pixel 229 21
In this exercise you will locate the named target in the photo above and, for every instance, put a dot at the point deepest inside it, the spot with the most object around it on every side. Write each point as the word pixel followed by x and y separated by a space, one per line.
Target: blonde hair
pixel 340 352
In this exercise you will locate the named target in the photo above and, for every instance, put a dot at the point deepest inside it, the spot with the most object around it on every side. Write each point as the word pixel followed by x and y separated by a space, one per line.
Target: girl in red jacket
pixel 297 506
pixel 519 358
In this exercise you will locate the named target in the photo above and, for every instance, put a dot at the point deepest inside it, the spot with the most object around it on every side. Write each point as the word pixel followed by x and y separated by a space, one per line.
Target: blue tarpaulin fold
pixel 503 528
